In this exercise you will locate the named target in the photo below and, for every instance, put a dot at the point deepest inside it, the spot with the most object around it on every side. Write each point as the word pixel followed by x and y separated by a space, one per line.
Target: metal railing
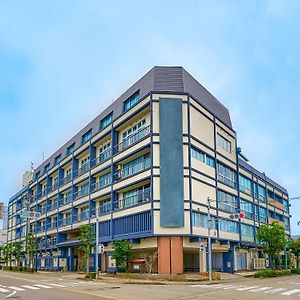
pixel 132 170
pixel 105 155
pixel 133 139
pixel 139 198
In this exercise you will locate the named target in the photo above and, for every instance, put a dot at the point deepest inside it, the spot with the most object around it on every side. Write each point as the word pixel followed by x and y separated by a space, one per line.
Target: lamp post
pixel 97 242
pixel 209 241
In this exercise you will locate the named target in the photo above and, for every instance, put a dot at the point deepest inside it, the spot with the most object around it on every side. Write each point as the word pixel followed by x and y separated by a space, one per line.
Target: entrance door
pixel 241 261
pixel 217 261
pixel 191 262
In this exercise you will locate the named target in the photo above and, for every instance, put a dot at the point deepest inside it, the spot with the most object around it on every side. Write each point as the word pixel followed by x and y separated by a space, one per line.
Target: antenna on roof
pixel 31 167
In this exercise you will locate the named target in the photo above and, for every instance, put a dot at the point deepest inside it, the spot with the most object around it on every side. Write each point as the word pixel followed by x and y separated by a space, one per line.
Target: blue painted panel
pixel 228 260
pixel 171 163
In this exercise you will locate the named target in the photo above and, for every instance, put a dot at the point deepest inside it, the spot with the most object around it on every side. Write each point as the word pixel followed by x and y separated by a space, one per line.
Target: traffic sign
pixel 101 249
pixel 201 247
pixel 237 216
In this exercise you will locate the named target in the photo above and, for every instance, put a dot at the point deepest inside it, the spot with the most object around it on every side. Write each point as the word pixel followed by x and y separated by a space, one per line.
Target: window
pixel 247 208
pixel 37 175
pixel 245 185
pixel 139 164
pixel 261 193
pixel 278 198
pixel 87 136
pixel 105 122
pixel 131 101
pixel 286 205
pixel 201 220
pixel 202 157
pixel 227 202
pixel 47 167
pixel 135 196
pixel 133 134
pixel 286 223
pixel 57 159
pixel 223 143
pixel 226 175
pixel 228 226
pixel 105 180
pixel 262 215
pixel 247 232
pixel 105 152
pixel 71 149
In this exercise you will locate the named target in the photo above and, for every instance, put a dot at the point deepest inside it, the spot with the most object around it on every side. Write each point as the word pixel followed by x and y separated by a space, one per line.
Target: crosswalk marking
pixel 218 286
pixel 230 287
pixel 275 291
pixel 15 288
pixel 30 287
pixel 56 284
pixel 261 289
pixel 291 292
pixel 2 290
pixel 43 286
pixel 248 288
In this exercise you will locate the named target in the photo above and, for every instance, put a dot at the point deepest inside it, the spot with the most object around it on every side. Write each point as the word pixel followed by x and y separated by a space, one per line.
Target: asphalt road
pixel 57 286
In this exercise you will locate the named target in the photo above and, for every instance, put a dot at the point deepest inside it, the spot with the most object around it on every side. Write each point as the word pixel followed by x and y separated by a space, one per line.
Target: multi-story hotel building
pixel 147 164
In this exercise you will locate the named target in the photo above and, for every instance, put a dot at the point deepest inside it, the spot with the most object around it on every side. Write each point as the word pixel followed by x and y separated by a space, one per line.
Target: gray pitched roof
pixel 158 79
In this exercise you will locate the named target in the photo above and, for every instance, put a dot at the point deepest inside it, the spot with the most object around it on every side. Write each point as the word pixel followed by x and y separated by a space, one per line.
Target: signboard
pixel 26 214
pixel 1 210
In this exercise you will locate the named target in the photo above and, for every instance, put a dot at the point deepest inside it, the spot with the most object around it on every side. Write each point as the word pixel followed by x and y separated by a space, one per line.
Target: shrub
pixel 272 273
pixel 295 271
pixel 90 275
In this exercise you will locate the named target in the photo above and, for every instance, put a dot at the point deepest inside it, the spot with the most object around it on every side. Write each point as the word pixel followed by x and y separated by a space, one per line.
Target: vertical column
pixel 170 255
pixel 71 259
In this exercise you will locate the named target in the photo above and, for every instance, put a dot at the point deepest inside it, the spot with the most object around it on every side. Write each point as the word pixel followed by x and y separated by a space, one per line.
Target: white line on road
pixel 43 286
pixel 30 287
pixel 275 291
pixel 261 289
pixel 248 288
pixel 2 290
pixel 11 294
pixel 56 284
pixel 16 288
pixel 230 287
pixel 291 292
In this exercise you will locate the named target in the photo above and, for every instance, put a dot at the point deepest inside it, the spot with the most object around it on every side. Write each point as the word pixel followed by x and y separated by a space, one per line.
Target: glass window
pixel 262 215
pixel 57 159
pixel 247 232
pixel 105 122
pixel 226 175
pixel 105 180
pixel 47 167
pixel 136 165
pixel 228 226
pixel 71 149
pixel 261 193
pixel 247 208
pixel 202 157
pixel 223 143
pixel 131 101
pixel 286 205
pixel 227 202
pixel 201 220
pixel 245 185
pixel 87 136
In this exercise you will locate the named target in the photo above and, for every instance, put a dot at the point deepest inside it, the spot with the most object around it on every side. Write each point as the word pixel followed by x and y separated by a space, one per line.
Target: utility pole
pixel 97 242
pixel 209 241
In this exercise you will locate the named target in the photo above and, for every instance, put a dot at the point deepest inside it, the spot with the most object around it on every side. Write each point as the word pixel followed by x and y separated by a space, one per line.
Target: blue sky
pixel 63 62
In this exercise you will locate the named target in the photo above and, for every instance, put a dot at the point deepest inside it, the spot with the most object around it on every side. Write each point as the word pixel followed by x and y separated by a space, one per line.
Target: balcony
pixel 105 155
pixel 66 221
pixel 137 199
pixel 52 225
pixel 133 139
pixel 65 200
pixel 66 179
pixel 83 216
pixel 132 170
pixel 104 208
pixel 82 193
pixel 84 168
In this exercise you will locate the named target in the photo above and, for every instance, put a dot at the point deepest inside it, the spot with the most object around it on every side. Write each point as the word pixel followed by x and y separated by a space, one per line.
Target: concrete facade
pixel 147 165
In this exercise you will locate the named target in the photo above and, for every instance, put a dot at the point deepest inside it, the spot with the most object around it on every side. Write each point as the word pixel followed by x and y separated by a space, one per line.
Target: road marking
pixel 291 292
pixel 56 284
pixel 2 290
pixel 229 287
pixel 275 290
pixel 261 289
pixel 43 286
pixel 217 286
pixel 248 288
pixel 200 285
pixel 16 288
pixel 11 294
pixel 30 287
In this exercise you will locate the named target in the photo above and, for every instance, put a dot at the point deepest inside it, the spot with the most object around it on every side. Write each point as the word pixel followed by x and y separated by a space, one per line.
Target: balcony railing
pixel 105 155
pixel 104 208
pixel 65 221
pixel 82 216
pixel 132 170
pixel 65 200
pixel 138 198
pixel 66 179
pixel 133 139
pixel 82 193
pixel 84 168
pixel 52 225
